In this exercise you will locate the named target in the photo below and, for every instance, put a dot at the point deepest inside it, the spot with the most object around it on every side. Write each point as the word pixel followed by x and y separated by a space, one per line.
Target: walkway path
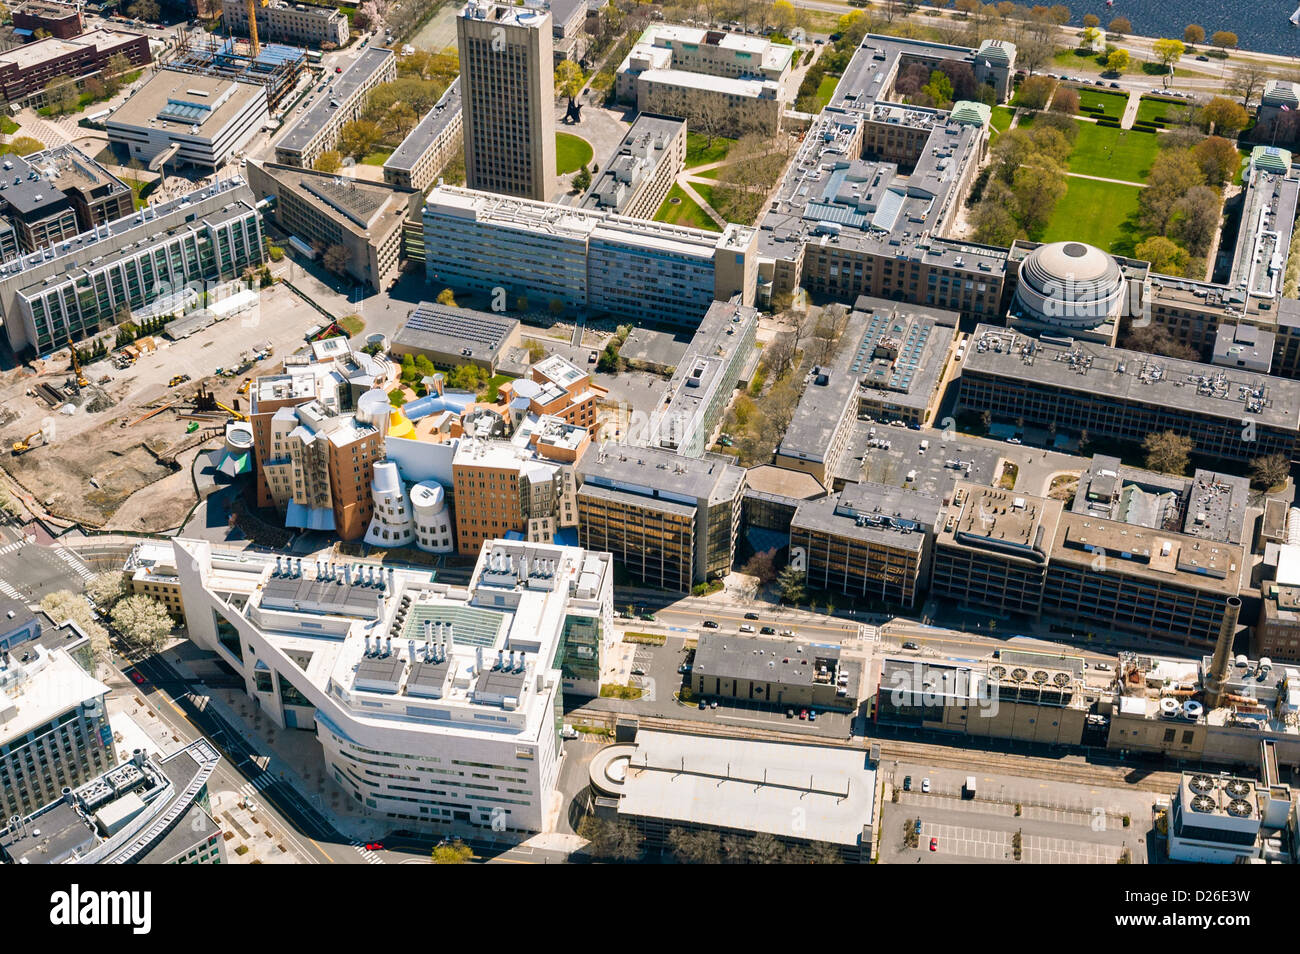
pixel 1082 175
pixel 1130 109
pixel 684 181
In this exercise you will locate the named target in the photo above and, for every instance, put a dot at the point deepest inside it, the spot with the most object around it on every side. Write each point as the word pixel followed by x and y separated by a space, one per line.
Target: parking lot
pixel 1058 823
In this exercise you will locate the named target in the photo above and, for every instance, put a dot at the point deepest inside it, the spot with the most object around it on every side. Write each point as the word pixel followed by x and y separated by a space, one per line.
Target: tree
pixel 1165 257
pixel 1088 40
pixel 791 583
pixel 105 589
pixel 1196 219
pixel 65 606
pixel 1167 452
pixel 582 180
pixel 1091 21
pixel 783 16
pixel 939 89
pixel 1194 33
pixel 617 841
pixel 1066 101
pixel 1217 158
pixel 1038 187
pixel 61 95
pixel 765 849
pixel 569 80
pixel 1168 52
pixel 143 621
pixel 146 10
pixel 359 137
pixel 994 224
pixel 1248 80
pixel 336 259
pixel 695 847
pixel 23 146
pixel 447 297
pixel 1224 39
pixel 1120 25
pixel 452 853
pixel 1173 172
pixel 115 72
pixel 1222 115
pixel 1035 92
pixel 1156 339
pixel 762 566
pixel 1271 471
pixel 1117 62
pixel 328 161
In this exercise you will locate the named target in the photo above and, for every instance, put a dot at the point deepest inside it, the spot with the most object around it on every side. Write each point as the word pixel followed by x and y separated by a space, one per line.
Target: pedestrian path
pixel 249 789
pixel 371 858
pixel 78 565
pixel 11 547
pixel 10 592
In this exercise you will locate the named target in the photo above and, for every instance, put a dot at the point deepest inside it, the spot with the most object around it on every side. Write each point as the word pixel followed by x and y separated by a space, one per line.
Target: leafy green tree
pixel 452 853
pixel 582 180
pixel 790 583
pixel 331 160
pixel 1164 255
pixel 1117 62
pixel 447 297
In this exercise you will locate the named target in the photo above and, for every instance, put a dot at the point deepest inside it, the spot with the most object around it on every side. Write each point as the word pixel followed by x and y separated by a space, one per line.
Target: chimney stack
pixel 1218 674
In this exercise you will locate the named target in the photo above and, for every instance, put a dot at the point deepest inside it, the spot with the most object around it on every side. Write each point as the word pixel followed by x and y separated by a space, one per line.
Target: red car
pixel 374 846
pixel 803 714
pixel 137 678
pixel 934 844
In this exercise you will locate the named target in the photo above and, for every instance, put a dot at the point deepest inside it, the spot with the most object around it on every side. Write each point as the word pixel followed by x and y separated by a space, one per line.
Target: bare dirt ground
pixel 141 472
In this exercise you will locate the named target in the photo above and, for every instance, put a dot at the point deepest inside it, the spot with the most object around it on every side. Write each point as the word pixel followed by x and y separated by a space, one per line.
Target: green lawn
pixel 378 157
pixel 1002 116
pixel 571 153
pixel 1098 213
pixel 825 90
pixel 1113 153
pixel 705 191
pixel 137 190
pixel 1074 62
pixel 699 151
pixel 8 126
pixel 680 209
pixel 1112 104
pixel 1150 108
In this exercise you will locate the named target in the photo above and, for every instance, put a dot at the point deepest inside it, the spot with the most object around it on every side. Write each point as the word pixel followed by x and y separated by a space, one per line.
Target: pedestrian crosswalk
pixel 371 858
pixel 249 789
pixel 11 547
pixel 9 591
pixel 77 563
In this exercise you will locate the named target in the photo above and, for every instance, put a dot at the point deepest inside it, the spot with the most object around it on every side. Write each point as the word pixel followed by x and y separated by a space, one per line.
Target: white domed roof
pixel 1070 284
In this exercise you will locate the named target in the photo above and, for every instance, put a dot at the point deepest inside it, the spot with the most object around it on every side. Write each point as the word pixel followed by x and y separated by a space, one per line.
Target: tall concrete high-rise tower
pixel 507 86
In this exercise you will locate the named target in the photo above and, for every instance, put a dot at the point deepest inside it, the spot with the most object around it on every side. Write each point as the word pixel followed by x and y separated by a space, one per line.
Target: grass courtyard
pixel 1001 119
pixel 1099 213
pixel 700 151
pixel 1152 108
pixel 571 153
pixel 1113 153
pixel 681 209
pixel 1111 104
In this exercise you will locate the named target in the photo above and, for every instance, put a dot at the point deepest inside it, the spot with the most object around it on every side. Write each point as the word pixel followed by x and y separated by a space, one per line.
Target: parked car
pixel 714 704
pixel 910 645
pixel 789 713
pixel 710 624
pixel 934 844
pixel 1014 440
pixel 812 715
pixel 684 669
pixel 1104 667
pixel 768 631
pixel 746 628
pixel 907 783
pixel 917 827
pixel 638 671
pixel 648 617
pixel 787 632
pixel 568 732
pixel 1115 86
pixel 803 714
pixel 925 785
pixel 751 616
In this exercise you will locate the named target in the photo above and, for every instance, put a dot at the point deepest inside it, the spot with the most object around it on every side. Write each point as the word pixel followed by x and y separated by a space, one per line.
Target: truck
pixel 968 790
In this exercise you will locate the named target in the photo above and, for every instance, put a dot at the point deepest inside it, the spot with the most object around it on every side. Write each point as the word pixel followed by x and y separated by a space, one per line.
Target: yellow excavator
pixel 204 400
pixel 82 380
pixel 24 445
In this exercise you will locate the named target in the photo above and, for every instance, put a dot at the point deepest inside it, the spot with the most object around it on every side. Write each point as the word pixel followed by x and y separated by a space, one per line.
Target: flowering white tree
pixel 143 621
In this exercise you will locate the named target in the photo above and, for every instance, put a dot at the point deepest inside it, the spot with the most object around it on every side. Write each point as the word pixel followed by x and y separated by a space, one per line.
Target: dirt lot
pixel 140 472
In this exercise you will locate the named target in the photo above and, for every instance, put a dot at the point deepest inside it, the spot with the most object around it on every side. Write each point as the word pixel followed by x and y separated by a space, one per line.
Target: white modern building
pixel 393 524
pixel 432 702
pixel 585 260
pixel 434 528
pixel 54 729
pixel 196 120
pixel 1214 819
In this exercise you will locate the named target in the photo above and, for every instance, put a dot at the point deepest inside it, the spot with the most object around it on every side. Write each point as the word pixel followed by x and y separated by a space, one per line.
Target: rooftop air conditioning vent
pixel 1237 788
pixel 998 672
pixel 1201 784
pixel 1061 679
pixel 1240 808
pixel 1040 676
pixel 1019 675
pixel 1202 803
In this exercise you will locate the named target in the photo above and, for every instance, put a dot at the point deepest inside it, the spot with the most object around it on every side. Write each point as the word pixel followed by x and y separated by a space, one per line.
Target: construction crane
pixel 252 25
pixel 82 381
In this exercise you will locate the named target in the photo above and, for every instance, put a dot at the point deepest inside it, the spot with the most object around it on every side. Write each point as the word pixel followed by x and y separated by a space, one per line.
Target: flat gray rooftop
pixel 686 480
pixel 341 89
pixel 444 329
pixel 764 660
pixel 933 470
pixel 427 130
pixel 320 596
pixel 1132 376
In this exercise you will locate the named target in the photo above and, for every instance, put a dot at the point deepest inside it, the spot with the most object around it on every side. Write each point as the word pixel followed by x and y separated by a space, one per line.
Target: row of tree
pixel 621 841
pixel 1018 192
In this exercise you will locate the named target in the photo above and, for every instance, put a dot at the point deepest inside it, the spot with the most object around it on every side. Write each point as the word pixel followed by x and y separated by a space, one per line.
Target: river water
pixel 1260 25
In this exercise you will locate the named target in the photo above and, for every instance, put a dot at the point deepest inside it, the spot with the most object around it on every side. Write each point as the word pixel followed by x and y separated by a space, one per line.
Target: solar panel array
pixel 914 335
pixel 453 323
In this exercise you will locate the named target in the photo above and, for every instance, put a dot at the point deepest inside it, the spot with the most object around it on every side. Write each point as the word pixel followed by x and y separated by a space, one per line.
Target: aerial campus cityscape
pixel 594 431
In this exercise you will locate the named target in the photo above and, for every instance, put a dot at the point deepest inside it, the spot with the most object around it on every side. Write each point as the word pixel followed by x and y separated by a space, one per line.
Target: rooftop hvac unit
pixel 1019 675
pixel 1240 808
pixel 1237 787
pixel 1169 708
pixel 1203 803
pixel 1040 676
pixel 997 672
pixel 1201 784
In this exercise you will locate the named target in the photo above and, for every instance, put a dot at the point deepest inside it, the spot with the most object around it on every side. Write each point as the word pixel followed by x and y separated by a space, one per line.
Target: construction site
pixel 273 65
pixel 112 445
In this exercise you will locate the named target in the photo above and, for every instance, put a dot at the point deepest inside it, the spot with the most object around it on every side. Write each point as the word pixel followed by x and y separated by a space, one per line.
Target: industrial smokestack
pixel 1218 674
